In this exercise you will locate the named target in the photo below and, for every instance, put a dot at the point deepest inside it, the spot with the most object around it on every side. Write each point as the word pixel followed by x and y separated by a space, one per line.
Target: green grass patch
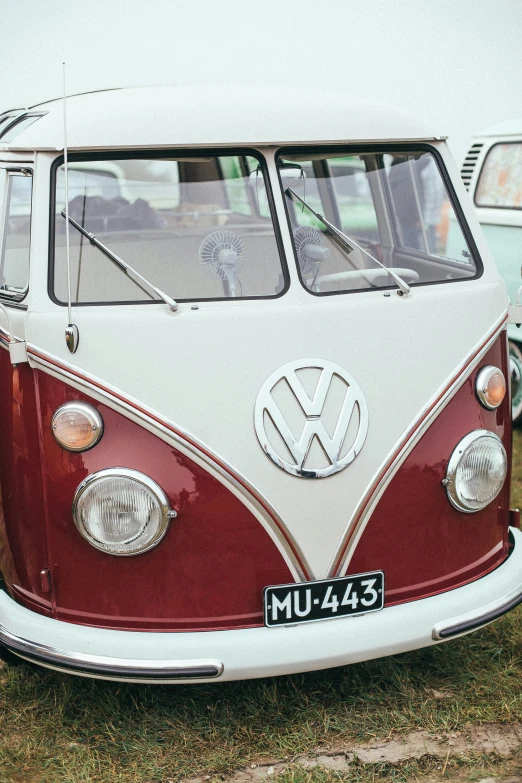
pixel 516 477
pixel 58 728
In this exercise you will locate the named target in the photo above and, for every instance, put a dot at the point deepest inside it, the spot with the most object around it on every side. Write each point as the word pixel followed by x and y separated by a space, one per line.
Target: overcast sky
pixel 456 62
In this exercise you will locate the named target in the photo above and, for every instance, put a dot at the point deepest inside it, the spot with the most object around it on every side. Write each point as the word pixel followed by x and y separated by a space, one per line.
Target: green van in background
pixel 492 173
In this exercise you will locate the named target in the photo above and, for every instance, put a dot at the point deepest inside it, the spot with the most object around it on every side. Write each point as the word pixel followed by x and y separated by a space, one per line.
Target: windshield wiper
pixel 349 243
pixel 127 268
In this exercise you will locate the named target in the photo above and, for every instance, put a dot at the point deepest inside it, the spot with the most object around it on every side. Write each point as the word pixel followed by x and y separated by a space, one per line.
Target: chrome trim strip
pixel 15 305
pixel 441 631
pixel 133 669
pixel 471 621
pixel 5 337
pixel 5 334
pixel 188 445
pixel 402 449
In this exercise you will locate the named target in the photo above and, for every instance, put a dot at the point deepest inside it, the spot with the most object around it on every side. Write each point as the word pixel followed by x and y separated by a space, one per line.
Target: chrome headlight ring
pixel 459 454
pixel 89 526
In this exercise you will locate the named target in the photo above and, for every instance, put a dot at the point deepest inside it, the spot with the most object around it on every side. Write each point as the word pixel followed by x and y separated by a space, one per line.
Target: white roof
pixel 506 128
pixel 214 115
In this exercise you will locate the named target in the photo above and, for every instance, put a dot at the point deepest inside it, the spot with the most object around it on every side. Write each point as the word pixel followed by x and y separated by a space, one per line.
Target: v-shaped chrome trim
pixel 187 444
pixel 402 448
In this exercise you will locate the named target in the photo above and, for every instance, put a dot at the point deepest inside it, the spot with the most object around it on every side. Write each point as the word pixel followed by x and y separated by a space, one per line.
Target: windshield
pixel 393 210
pixel 193 227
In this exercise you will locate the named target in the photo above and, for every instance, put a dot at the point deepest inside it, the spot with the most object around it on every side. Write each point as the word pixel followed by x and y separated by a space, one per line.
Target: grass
pixel 58 728
pixel 516 478
pixel 428 769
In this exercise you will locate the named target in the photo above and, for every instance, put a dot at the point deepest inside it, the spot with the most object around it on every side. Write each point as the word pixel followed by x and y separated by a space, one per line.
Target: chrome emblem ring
pixel 311 418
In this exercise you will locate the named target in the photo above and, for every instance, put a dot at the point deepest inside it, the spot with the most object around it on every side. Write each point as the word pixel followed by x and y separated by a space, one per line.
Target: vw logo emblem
pixel 311 418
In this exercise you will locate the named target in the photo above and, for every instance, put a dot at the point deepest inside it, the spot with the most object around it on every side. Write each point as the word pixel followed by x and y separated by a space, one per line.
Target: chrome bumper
pixel 261 652
pixel 106 667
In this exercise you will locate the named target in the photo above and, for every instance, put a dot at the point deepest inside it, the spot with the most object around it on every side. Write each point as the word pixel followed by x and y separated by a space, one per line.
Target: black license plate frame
pixel 325 599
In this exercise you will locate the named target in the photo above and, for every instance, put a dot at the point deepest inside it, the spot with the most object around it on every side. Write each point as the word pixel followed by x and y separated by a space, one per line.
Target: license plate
pixel 324 600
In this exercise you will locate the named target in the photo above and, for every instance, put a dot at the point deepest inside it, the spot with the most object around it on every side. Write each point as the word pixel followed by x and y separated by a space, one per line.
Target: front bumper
pixel 261 652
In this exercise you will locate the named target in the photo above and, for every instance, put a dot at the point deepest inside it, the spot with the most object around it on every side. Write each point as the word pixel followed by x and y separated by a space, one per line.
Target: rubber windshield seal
pixel 214 152
pixel 385 148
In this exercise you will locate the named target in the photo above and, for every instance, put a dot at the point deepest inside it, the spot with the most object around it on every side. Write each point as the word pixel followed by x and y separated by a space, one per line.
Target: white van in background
pixel 253 365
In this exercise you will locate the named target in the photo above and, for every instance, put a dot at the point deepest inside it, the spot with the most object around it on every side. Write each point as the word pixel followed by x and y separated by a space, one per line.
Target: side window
pixel 500 178
pixel 14 265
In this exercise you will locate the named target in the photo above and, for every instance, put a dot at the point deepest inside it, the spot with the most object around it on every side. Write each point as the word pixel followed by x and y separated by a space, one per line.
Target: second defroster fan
pixel 310 253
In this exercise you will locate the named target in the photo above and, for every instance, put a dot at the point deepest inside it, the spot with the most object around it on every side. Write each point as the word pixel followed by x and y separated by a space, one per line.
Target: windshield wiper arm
pixel 127 268
pixel 349 242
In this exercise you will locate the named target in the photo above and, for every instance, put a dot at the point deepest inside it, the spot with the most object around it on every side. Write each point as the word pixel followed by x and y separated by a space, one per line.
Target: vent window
pixel 14 258
pixel 470 161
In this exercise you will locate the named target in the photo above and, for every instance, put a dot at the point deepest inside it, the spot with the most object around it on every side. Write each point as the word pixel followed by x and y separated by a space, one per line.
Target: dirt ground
pixel 502 742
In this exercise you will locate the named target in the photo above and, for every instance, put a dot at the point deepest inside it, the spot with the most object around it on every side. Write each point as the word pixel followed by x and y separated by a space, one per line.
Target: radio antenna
pixel 72 336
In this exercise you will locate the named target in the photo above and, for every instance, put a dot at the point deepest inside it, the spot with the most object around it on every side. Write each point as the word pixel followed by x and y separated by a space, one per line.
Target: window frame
pixel 16 120
pixel 383 149
pixel 214 152
pixel 7 119
pixel 493 206
pixel 14 297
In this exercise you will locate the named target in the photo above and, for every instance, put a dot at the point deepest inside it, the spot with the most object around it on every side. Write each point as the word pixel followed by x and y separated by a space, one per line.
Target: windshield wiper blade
pixel 349 243
pixel 127 268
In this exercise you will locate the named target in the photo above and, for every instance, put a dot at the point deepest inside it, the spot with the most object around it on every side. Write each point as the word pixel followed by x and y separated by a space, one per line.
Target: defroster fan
pixel 310 252
pixel 222 254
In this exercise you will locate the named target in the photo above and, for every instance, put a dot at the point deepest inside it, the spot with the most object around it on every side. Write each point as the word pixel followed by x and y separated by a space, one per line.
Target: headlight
pixel 476 471
pixel 490 386
pixel 77 426
pixel 121 511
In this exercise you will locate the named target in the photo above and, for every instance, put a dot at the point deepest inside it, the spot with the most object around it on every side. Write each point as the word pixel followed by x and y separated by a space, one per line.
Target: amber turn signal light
pixel 490 387
pixel 77 426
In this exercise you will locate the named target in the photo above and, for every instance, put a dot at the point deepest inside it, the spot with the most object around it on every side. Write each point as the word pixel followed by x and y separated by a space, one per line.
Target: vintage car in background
pixel 492 173
pixel 253 387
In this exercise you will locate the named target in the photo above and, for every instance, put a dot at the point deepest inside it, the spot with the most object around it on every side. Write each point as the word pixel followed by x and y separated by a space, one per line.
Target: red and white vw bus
pixel 254 408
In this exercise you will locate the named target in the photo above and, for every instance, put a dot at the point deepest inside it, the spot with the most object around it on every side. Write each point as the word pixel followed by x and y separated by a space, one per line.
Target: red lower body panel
pixel 210 569
pixel 420 541
pixel 207 573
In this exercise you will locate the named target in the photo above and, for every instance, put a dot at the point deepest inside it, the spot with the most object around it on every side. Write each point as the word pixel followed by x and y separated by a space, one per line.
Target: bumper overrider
pixel 179 657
